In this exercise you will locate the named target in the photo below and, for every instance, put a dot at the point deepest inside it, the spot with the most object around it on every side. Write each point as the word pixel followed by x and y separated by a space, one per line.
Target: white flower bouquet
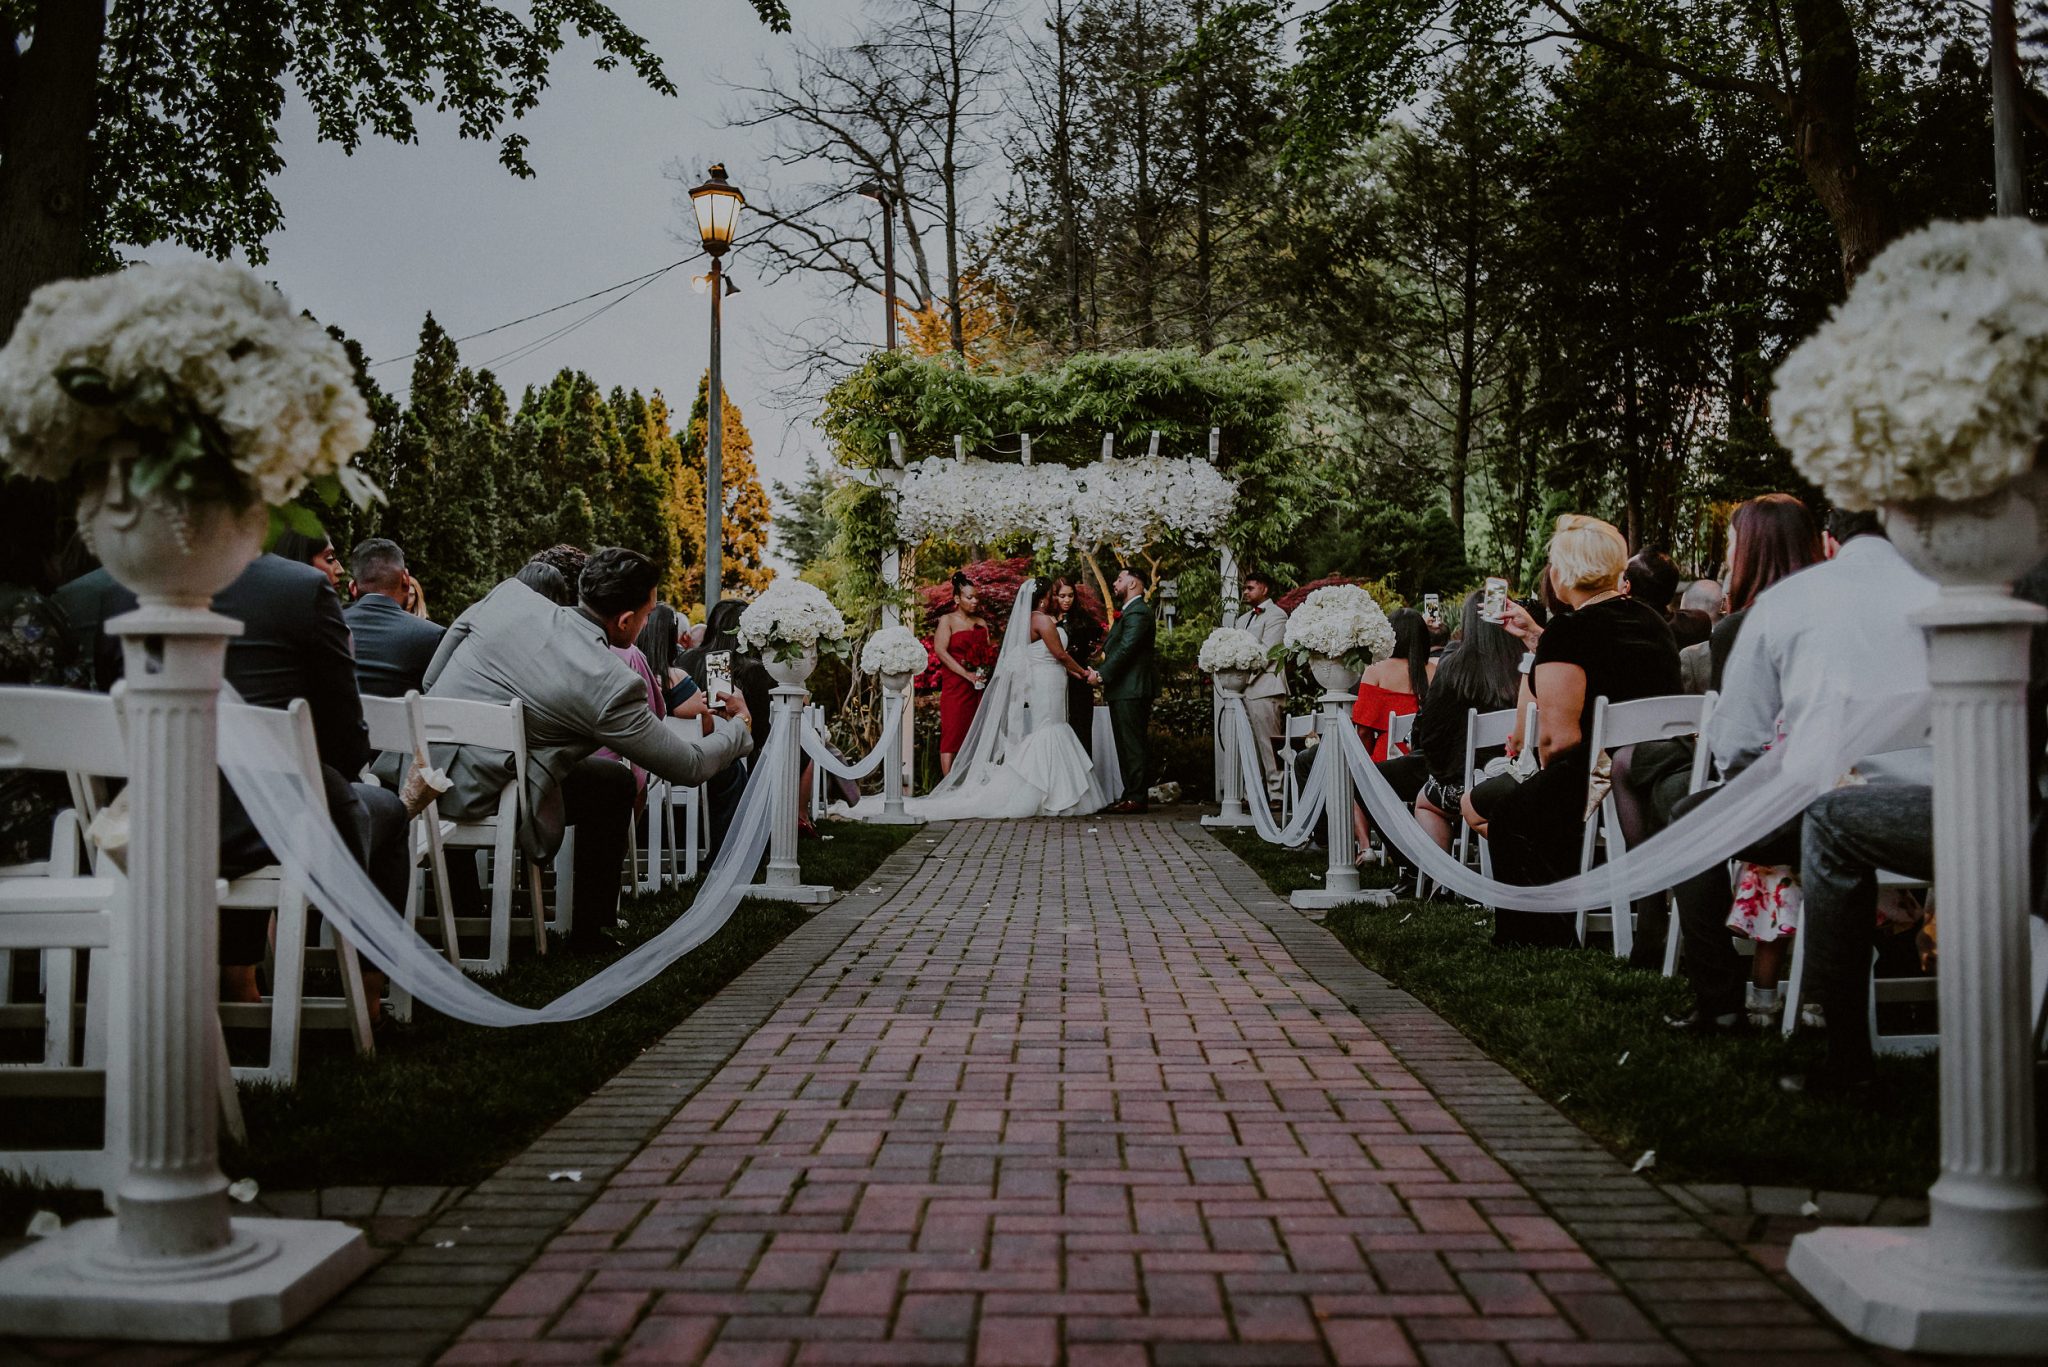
pixel 228 395
pixel 1125 505
pixel 1340 622
pixel 789 619
pixel 1228 648
pixel 1930 381
pixel 1130 504
pixel 894 650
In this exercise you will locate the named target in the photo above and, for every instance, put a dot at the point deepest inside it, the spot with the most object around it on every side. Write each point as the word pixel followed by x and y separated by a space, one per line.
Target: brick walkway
pixel 1072 1094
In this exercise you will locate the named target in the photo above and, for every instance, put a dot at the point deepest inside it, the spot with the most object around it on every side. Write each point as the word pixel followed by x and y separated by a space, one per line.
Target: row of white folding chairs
pixel 75 921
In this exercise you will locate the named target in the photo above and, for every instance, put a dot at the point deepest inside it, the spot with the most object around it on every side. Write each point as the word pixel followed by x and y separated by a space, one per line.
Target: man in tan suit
pixel 1265 700
pixel 578 697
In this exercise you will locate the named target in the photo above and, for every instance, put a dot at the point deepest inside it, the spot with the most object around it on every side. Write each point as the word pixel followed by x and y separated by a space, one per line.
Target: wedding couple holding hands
pixel 1006 731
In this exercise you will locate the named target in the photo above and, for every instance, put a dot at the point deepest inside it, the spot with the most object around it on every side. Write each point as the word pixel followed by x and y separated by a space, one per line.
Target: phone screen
pixel 718 681
pixel 1494 605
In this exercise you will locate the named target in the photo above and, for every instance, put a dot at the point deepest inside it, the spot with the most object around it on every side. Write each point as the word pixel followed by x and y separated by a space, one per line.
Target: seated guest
pixel 87 603
pixel 415 597
pixel 578 697
pixel 1483 672
pixel 1608 646
pixel 393 647
pixel 36 647
pixel 294 644
pixel 1703 595
pixel 547 581
pixel 1840 629
pixel 1690 628
pixel 569 561
pixel 1651 578
pixel 316 551
pixel 751 678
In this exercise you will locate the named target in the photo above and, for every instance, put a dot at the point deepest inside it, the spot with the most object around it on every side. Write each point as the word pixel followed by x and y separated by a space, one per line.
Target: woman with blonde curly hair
pixel 1606 646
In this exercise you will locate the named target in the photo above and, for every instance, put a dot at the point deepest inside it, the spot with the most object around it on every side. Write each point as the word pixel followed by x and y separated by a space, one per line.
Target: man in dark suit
pixel 88 601
pixel 393 647
pixel 294 644
pixel 1130 681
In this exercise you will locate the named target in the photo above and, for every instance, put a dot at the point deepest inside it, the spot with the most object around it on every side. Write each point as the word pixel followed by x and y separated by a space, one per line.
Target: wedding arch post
pixel 1975 1280
pixel 891 479
pixel 172 1264
pixel 1231 603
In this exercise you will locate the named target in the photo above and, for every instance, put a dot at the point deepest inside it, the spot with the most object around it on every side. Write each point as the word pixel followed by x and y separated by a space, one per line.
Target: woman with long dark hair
pixel 1394 687
pixel 1481 672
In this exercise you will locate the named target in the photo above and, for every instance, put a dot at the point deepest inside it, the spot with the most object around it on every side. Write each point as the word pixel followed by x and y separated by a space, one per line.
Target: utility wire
pixel 637 281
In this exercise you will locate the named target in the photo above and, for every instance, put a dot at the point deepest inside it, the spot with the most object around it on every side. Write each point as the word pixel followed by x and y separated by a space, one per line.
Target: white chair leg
pixel 224 1082
pixel 537 908
pixel 288 991
pixel 565 884
pixel 60 997
pixel 1795 981
pixel 1671 937
pixel 354 995
pixel 504 881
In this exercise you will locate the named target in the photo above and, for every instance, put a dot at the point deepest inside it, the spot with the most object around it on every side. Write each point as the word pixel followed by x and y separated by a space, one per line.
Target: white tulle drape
pixel 821 753
pixel 1759 800
pixel 1314 789
pixel 292 820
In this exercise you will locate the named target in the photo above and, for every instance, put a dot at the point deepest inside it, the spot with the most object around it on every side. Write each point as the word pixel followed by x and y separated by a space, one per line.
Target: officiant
pixel 1265 699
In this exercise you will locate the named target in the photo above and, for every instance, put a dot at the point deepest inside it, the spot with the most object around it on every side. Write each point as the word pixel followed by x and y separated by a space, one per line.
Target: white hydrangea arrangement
pixel 1129 504
pixel 1930 381
pixel 894 650
pixel 228 394
pixel 791 617
pixel 1340 622
pixel 1228 648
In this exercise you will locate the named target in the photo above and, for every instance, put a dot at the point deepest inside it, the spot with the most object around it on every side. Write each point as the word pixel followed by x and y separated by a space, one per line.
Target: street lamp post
pixel 879 193
pixel 717 204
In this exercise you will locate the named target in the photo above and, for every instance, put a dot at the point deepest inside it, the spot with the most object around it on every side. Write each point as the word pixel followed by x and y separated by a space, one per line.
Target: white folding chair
pixel 1616 725
pixel 683 844
pixel 1294 742
pixel 1483 731
pixel 1702 765
pixel 396 729
pixel 51 908
pixel 492 726
pixel 1531 736
pixel 1400 734
pixel 287 1012
pixel 814 718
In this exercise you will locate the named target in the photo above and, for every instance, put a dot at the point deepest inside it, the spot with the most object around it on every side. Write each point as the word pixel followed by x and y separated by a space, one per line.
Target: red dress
pixel 959 699
pixel 1376 709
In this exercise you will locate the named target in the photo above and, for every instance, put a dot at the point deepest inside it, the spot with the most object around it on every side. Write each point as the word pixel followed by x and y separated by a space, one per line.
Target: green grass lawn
pixel 1561 1020
pixel 445 1103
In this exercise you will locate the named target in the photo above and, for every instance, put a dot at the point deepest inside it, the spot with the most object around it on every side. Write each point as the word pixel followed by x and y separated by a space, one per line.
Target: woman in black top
pixel 1084 639
pixel 1608 646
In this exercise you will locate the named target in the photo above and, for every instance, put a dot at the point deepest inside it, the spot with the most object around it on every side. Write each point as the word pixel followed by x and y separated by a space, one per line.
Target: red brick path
pixel 1064 1099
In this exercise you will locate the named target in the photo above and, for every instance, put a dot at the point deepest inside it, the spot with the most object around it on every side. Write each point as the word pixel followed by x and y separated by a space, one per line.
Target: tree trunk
pixel 1205 317
pixel 1070 212
pixel 1142 218
pixel 1823 114
pixel 1468 348
pixel 47 119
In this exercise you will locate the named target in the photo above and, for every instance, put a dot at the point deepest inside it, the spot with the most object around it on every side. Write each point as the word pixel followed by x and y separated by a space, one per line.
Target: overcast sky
pixel 373 241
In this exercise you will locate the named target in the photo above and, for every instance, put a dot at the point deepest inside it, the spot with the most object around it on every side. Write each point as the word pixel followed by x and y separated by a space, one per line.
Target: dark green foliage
pixel 805 530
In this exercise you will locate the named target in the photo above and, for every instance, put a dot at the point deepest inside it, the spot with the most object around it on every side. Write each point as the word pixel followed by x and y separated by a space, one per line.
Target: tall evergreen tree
pixel 747 512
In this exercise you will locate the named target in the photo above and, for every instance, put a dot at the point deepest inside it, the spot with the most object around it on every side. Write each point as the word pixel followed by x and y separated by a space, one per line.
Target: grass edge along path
pixel 1585 1032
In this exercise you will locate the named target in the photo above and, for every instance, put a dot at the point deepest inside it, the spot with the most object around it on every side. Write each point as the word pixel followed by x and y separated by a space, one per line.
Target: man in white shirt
pixel 1841 629
pixel 1265 700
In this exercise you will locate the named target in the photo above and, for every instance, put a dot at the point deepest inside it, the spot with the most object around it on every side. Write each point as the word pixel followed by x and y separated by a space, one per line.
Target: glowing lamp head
pixel 717 204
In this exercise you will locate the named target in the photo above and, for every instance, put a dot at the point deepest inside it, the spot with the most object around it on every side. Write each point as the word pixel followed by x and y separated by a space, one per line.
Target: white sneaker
pixel 1765 1006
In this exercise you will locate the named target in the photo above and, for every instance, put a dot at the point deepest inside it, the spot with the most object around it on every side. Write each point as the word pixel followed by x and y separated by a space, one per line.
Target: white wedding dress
pixel 1021 758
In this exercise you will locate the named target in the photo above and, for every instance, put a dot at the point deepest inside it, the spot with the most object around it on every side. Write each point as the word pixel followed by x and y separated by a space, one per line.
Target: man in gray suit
pixel 578 697
pixel 393 647
pixel 1265 701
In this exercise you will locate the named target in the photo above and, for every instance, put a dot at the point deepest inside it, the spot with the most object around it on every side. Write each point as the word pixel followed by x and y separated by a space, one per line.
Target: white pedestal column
pixel 171 1264
pixel 895 700
pixel 784 880
pixel 1976 1279
pixel 1230 797
pixel 1340 881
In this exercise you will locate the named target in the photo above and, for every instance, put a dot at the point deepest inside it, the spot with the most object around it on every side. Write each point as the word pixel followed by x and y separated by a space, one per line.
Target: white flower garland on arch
pixel 1122 504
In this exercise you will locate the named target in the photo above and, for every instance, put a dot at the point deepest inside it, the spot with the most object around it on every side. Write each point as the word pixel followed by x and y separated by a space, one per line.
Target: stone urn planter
pixel 1989 540
pixel 167 548
pixel 894 680
pixel 794 672
pixel 1334 675
pixel 1233 680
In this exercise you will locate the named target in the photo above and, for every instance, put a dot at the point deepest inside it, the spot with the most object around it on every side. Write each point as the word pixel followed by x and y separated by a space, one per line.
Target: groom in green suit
pixel 1130 681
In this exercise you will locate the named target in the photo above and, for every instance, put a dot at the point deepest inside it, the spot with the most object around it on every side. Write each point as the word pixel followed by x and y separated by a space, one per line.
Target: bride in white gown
pixel 1021 758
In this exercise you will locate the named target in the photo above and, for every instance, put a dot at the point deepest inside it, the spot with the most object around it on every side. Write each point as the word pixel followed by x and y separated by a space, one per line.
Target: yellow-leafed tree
pixel 746 511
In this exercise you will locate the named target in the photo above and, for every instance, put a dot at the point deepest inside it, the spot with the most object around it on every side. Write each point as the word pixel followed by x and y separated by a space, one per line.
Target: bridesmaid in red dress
pixel 962 645
pixel 1392 688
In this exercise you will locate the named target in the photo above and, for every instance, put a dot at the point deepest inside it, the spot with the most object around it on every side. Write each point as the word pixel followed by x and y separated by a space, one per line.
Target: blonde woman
pixel 1606 646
